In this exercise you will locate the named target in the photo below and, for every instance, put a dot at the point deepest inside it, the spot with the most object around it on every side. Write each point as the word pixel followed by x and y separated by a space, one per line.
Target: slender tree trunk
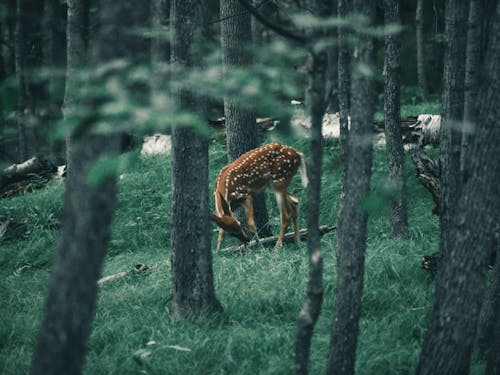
pixel 23 88
pixel 76 60
pixel 393 133
pixel 241 131
pixel 193 290
pixel 333 63
pixel 317 102
pixel 419 25
pixel 160 49
pixel 352 220
pixel 452 114
pixel 343 8
pixel 472 66
pixel 460 282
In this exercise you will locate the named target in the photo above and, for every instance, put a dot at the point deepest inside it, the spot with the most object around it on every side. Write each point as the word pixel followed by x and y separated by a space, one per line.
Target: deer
pixel 271 165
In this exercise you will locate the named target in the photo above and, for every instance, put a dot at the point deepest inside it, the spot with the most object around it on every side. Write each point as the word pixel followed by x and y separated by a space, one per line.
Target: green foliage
pixel 262 291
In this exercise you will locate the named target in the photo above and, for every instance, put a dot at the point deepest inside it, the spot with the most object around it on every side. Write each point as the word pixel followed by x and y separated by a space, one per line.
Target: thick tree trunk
pixel 419 25
pixel 193 290
pixel 241 132
pixel 352 218
pixel 70 304
pixel 472 66
pixel 343 8
pixel 88 211
pixel 452 114
pixel 460 281
pixel 392 115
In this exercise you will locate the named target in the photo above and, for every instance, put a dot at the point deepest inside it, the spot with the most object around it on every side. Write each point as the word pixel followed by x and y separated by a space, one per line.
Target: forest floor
pixel 261 290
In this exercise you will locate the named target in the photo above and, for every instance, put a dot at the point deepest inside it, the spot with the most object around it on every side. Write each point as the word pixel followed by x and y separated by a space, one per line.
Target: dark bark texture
pixel 352 220
pixel 419 25
pixel 460 281
pixel 70 304
pixel 88 211
pixel 343 85
pixel 472 73
pixel 452 114
pixel 241 132
pixel 193 290
pixel 393 134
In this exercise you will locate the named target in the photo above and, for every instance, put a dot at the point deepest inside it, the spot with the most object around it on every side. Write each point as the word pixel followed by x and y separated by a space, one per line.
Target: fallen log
pixel 138 268
pixel 289 237
pixel 27 176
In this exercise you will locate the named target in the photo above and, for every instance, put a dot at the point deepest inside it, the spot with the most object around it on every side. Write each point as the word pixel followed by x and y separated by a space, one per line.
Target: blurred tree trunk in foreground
pixel 193 290
pixel 241 130
pixel 460 283
pixel 352 219
pixel 392 117
pixel 88 207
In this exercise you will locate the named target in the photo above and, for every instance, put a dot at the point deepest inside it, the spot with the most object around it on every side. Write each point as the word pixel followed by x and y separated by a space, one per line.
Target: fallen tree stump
pixel 428 174
pixel 289 237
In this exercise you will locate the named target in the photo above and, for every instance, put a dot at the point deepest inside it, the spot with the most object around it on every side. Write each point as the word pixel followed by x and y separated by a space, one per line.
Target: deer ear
pixel 225 205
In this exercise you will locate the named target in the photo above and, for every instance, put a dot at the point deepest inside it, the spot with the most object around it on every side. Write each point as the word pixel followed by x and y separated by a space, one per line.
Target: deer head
pixel 228 222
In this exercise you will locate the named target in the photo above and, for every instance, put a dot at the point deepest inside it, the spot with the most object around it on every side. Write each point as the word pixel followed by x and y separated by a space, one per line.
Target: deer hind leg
pixel 293 203
pixel 286 215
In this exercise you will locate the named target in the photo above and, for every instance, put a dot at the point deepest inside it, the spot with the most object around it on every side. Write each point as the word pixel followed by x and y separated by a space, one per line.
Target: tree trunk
pixel 472 66
pixel 460 283
pixel 393 134
pixel 88 211
pixel 317 103
pixel 343 8
pixel 493 342
pixel 419 25
pixel 241 132
pixel 452 114
pixel 160 49
pixel 352 218
pixel 192 276
pixel 23 88
pixel 76 60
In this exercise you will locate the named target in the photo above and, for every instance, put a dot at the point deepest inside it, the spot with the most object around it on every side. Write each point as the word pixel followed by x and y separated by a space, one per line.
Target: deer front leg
pixel 248 206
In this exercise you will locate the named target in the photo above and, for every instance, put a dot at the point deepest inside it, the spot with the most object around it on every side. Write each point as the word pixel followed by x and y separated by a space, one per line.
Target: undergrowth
pixel 261 290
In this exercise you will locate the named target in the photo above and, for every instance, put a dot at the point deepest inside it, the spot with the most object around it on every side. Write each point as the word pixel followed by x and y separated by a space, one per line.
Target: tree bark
pixel 241 132
pixel 317 103
pixel 460 281
pixel 392 114
pixel 452 114
pixel 352 218
pixel 343 8
pixel 193 290
pixel 88 211
pixel 419 25
pixel 76 60
pixel 472 67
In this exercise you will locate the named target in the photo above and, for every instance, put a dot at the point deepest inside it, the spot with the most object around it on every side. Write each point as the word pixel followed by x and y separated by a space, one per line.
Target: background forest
pixel 108 257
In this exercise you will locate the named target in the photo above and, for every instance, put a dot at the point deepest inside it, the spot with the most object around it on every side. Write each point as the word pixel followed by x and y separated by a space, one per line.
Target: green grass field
pixel 262 291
